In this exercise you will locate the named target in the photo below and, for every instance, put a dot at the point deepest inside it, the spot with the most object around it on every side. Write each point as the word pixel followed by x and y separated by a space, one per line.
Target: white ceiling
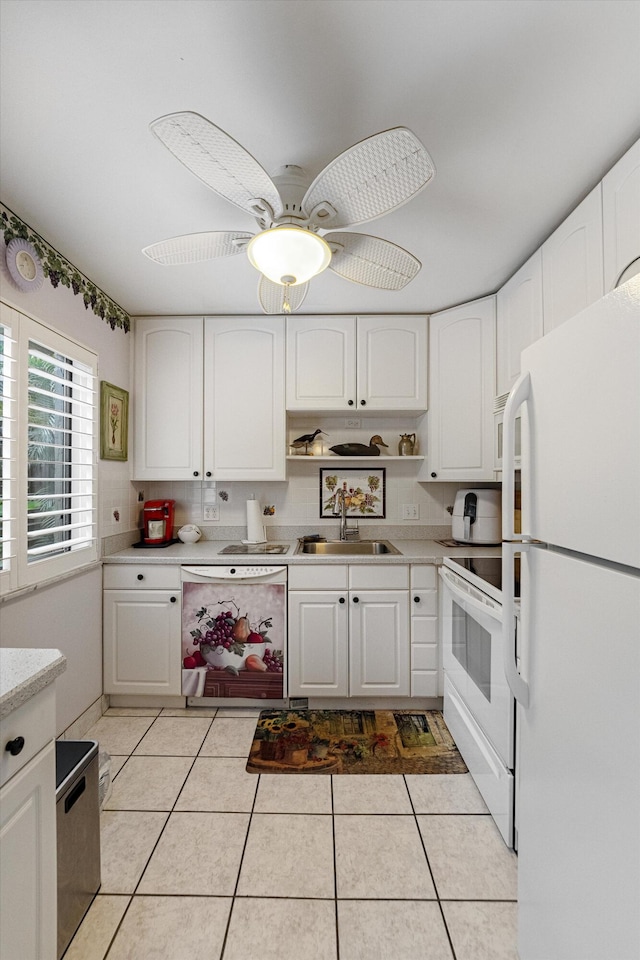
pixel 522 104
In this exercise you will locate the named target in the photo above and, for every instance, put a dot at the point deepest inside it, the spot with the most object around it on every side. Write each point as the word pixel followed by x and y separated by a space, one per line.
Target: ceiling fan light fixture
pixel 289 255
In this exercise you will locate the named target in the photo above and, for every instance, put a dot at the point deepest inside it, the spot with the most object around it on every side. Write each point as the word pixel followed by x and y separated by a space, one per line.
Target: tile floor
pixel 203 861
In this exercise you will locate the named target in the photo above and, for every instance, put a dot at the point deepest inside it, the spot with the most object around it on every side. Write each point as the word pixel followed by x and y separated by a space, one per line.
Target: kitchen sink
pixel 349 548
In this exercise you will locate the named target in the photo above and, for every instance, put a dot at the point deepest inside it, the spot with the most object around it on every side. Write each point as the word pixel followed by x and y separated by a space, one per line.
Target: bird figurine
pixel 306 439
pixel 360 449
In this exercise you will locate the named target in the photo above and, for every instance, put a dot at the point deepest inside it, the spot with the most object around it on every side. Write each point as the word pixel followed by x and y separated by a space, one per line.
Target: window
pixel 49 452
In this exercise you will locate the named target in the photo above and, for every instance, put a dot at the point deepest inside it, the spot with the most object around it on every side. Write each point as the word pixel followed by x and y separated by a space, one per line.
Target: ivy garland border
pixel 58 270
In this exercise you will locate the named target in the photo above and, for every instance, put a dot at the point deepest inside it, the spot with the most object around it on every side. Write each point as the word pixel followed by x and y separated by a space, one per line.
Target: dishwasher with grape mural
pixel 234 634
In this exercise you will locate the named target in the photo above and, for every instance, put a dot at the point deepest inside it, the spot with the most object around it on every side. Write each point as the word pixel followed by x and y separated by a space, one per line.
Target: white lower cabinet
pixel 349 630
pixel 141 640
pixel 28 904
pixel 426 670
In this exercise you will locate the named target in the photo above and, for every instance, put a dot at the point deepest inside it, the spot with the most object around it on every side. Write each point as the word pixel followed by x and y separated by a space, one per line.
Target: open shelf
pixel 333 458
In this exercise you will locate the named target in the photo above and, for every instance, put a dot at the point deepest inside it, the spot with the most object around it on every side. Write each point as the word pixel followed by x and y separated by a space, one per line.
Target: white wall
pixel 68 615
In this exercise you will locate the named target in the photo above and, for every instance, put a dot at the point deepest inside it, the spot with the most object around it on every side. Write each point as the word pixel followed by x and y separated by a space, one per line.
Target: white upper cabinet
pixel 359 363
pixel 572 263
pixel 321 363
pixel 244 419
pixel 209 399
pixel 519 320
pixel 462 378
pixel 392 363
pixel 621 216
pixel 167 398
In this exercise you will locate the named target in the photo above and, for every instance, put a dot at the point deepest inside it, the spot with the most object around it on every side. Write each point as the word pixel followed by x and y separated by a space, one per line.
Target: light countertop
pixel 25 672
pixel 208 552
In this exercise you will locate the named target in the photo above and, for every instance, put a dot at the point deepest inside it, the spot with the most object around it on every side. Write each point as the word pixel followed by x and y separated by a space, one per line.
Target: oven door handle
pixel 519 687
pixel 491 612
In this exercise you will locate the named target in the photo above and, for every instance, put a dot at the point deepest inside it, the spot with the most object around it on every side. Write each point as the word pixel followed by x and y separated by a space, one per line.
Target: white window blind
pixel 49 466
pixel 8 465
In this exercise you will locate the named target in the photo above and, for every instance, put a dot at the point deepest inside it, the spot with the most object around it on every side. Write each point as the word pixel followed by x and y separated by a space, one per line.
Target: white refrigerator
pixel 574 666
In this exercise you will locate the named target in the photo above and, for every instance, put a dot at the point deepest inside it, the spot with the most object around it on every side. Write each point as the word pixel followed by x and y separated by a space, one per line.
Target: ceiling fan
pixel 368 180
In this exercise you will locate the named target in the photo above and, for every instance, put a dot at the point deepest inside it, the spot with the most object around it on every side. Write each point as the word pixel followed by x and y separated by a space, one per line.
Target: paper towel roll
pixel 255 527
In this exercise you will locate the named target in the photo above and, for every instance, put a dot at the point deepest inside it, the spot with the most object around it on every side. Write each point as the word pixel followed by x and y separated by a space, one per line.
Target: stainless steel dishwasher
pixel 234 635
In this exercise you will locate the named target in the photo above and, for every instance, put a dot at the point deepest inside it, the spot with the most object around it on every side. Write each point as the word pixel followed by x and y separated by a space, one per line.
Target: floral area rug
pixel 353 741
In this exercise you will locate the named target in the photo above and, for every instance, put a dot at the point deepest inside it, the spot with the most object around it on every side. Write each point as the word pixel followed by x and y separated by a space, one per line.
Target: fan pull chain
pixel 286 306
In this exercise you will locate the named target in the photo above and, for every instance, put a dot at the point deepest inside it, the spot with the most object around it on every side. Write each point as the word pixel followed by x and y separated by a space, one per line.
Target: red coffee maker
pixel 157 518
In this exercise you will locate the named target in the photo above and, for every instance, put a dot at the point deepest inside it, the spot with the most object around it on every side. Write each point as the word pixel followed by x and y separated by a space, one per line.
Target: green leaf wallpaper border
pixel 58 270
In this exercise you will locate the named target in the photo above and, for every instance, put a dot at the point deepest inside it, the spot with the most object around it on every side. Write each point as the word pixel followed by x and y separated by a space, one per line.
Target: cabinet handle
pixel 208 473
pixel 356 599
pixel 196 473
pixel 363 403
pixel 434 474
pixel 341 600
pixel 232 570
pixel 350 403
pixel 172 599
pixel 15 746
pixel 416 599
pixel 140 576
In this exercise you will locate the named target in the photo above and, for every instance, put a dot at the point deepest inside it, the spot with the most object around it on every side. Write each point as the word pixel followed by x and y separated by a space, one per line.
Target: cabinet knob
pixel 232 570
pixel 196 473
pixel 350 403
pixel 416 599
pixel 140 576
pixel 434 474
pixel 356 599
pixel 341 600
pixel 15 746
pixel 363 403
pixel 208 473
pixel 173 599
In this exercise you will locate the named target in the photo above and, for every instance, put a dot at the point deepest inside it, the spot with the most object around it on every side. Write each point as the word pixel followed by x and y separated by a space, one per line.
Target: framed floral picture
pixel 114 422
pixel 364 488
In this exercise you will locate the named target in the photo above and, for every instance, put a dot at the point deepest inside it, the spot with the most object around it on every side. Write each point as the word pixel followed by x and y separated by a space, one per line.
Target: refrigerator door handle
pixel 518 686
pixel 519 395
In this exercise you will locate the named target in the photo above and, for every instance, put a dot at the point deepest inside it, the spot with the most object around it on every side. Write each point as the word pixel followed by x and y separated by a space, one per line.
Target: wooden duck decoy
pixel 360 449
pixel 306 439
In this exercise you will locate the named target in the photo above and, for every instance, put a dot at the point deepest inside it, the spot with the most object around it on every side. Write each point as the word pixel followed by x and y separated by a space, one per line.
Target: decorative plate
pixel 24 265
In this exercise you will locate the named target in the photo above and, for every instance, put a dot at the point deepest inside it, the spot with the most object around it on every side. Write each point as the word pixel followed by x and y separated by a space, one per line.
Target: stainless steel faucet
pixel 340 506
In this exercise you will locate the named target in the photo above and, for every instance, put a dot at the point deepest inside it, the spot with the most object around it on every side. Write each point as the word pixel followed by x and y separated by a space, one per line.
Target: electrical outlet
pixel 211 512
pixel 410 511
pixel 352 423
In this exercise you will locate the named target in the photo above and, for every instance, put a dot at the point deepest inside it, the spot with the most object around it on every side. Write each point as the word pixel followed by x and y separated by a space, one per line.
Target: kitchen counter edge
pixel 24 673
pixel 207 552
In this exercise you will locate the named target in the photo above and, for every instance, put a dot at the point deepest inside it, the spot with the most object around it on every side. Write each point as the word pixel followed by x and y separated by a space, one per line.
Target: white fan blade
pixel 369 179
pixel 272 296
pixel 196 247
pixel 219 161
pixel 371 261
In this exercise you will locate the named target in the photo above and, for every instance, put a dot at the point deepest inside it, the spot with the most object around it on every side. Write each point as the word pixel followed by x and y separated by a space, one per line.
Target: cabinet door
pixel 379 643
pixel 28 861
pixel 142 642
pixel 459 443
pixel 392 363
pixel 318 654
pixel 245 429
pixel 621 216
pixel 518 320
pixel 425 654
pixel 321 363
pixel 572 263
pixel 167 398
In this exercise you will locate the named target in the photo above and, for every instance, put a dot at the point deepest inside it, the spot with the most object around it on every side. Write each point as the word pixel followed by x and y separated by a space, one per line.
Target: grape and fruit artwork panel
pixel 233 636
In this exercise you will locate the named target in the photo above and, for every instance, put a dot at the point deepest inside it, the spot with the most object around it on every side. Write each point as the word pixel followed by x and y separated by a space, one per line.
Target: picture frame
pixel 114 422
pixel 366 492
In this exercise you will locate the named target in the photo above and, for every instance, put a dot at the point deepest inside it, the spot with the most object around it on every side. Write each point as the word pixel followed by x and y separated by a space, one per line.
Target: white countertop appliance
pixel 477 517
pixel 576 674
